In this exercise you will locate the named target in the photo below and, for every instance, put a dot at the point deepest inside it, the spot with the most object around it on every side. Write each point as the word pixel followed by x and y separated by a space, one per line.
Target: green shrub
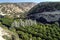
pixel 6 37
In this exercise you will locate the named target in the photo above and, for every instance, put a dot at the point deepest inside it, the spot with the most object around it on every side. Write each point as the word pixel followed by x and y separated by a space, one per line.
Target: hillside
pixel 45 12
pixel 15 9
pixel 40 23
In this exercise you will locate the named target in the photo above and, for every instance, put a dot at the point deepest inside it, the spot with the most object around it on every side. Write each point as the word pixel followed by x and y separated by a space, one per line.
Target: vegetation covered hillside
pixel 24 29
pixel 45 7
pixel 45 12
pixel 28 29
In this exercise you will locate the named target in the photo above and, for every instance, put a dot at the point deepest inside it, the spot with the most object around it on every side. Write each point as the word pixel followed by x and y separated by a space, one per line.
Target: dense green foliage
pixel 35 32
pixel 6 21
pixel 40 32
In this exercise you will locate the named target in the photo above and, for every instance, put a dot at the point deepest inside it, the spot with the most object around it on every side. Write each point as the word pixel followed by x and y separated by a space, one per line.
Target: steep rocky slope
pixel 12 9
pixel 45 12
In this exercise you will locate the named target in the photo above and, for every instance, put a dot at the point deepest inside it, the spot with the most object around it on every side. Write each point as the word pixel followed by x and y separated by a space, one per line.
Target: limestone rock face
pixel 45 12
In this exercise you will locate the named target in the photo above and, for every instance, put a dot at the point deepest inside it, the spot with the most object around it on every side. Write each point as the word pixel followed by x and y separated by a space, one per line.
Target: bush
pixel 6 37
